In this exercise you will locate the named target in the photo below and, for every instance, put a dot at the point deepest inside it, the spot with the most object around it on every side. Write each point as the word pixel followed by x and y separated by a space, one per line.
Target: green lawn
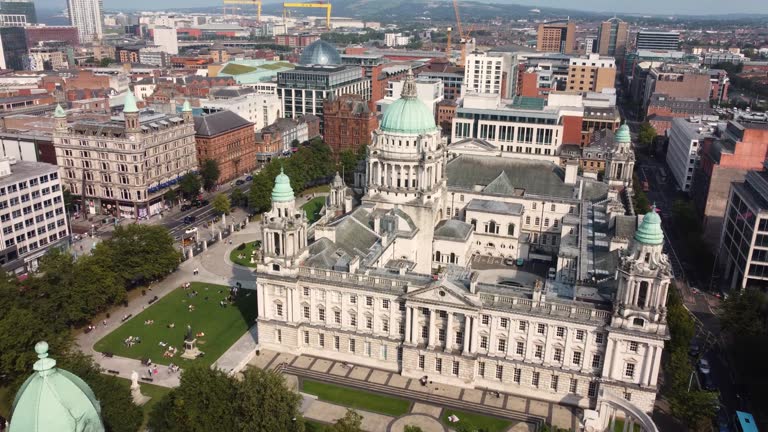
pixel 312 208
pixel 153 391
pixel 316 189
pixel 222 326
pixel 314 426
pixel 478 421
pixel 618 426
pixel 234 256
pixel 358 399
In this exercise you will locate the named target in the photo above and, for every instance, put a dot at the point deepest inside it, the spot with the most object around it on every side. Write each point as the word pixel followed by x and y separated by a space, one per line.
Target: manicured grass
pixel 316 189
pixel 237 69
pixel 312 208
pixel 478 421
pixel 222 326
pixel 234 256
pixel 153 391
pixel 357 398
pixel 314 426
pixel 618 426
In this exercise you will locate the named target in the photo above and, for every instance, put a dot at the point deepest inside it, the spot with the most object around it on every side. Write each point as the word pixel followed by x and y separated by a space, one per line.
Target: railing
pixel 353 278
pixel 547 308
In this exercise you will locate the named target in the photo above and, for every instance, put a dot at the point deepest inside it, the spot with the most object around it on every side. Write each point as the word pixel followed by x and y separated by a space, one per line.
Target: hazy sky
pixel 696 7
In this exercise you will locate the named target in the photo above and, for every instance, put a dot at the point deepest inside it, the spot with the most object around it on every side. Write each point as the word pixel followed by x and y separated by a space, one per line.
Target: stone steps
pixel 414 395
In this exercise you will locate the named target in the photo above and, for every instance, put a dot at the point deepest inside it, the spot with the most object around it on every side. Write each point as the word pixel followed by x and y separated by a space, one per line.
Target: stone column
pixel 614 359
pixel 608 358
pixel 431 326
pixel 260 300
pixel 289 304
pixel 408 329
pixel 473 335
pixel 547 339
pixel 655 367
pixel 467 333
pixel 449 332
pixel 650 352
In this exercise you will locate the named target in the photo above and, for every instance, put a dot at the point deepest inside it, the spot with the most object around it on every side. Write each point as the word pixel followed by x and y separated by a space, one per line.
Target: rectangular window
pixel 520 350
pixel 385 304
pixel 306 311
pixel 592 389
pixel 424 332
pixel 385 326
pixel 352 345
pixel 367 348
pixel 455 369
pixel 481 369
pixel 306 291
pixel 484 342
pixel 502 345
pixel 438 365
pixel 279 309
pixel 539 351
pixel 369 323
pixel 535 379
pixel 521 326
pixel 596 361
pixel 599 338
pixel 278 335
pixel 577 358
pixel 369 301
pixel 321 314
pixel 553 382
pixel 499 372
pixel 441 335
pixel 558 355
pixel 421 362
pixel 633 346
pixel 629 370
pixel 321 339
pixel 306 337
pixel 353 299
pixel 560 331
pixel 353 320
pixel 580 335
pixel 517 375
pixel 337 317
pixel 336 343
pixel 504 322
pixel 485 319
pixel 574 386
pixel 540 329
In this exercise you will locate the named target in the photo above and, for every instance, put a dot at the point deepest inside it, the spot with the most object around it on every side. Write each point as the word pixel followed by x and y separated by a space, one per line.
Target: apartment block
pixel 556 36
pixel 591 73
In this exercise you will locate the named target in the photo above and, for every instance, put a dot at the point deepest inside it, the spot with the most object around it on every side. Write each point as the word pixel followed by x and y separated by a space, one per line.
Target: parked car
pixel 509 262
pixel 249 178
pixel 240 182
pixel 520 262
pixel 203 203
pixel 189 219
pixel 704 366
pixel 185 207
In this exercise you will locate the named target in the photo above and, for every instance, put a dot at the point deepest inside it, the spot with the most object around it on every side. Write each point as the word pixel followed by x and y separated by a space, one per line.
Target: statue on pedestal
pixel 138 398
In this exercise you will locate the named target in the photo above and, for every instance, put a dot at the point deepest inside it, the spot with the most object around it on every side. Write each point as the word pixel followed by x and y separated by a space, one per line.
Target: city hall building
pixel 397 281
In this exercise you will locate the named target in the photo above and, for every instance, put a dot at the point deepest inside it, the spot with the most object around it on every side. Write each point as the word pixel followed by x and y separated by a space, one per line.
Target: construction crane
pixel 463 37
pixel 320 5
pixel 256 3
pixel 448 43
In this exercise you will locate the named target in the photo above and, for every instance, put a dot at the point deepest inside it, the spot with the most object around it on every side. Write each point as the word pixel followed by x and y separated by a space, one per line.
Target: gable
pixel 445 293
pixel 474 144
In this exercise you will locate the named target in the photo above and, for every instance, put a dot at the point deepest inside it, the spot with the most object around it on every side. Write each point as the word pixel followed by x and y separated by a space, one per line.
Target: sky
pixel 660 7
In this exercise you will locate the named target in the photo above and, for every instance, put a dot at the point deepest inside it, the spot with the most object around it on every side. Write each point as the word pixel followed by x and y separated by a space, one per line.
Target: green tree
pixel 646 135
pixel 238 198
pixel 351 422
pixel 266 403
pixel 696 409
pixel 106 61
pixel 138 253
pixel 189 185
pixel 210 173
pixel 68 201
pixel 222 206
pixel 260 197
pixel 170 196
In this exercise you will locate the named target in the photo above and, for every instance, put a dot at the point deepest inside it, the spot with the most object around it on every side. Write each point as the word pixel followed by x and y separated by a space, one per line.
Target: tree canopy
pixel 646 135
pixel 209 399
pixel 209 173
pixel 189 185
pixel 221 204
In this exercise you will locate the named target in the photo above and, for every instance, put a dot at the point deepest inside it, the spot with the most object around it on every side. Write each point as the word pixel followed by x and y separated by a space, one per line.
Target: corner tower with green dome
pixel 284 229
pixel 620 162
pixel 53 399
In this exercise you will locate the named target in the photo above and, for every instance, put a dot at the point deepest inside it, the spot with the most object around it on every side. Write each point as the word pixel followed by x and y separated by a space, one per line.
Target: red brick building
pixel 51 33
pixel 446 110
pixel 349 122
pixel 228 139
pixel 296 40
pixel 662 109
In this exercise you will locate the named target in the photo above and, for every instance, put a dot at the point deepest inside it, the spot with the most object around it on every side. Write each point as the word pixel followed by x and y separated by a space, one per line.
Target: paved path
pixel 525 413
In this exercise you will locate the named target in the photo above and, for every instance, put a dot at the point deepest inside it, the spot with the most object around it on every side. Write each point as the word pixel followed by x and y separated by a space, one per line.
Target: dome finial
pixel 409 87
pixel 44 363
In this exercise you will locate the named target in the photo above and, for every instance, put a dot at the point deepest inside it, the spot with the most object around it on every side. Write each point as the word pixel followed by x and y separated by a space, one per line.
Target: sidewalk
pixel 525 413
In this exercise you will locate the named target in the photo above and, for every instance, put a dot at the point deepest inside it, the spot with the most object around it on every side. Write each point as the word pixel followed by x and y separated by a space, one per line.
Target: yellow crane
pixel 320 5
pixel 256 3
pixel 448 43
pixel 463 37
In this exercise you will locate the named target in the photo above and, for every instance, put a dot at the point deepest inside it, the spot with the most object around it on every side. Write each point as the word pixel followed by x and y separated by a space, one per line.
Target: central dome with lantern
pixel 408 115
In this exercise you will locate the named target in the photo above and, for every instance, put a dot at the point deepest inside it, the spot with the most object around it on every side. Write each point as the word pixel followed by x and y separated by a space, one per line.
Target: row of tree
pixel 66 293
pixel 693 406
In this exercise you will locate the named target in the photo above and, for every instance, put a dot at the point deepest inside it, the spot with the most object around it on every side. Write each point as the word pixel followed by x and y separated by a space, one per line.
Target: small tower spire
pixel 409 87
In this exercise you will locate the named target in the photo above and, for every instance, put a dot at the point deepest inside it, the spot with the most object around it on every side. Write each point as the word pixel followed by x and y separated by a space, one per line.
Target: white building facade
pixel 430 91
pixel 260 109
pixel 685 140
pixel 372 288
pixel 166 39
pixel 86 16
pixel 488 73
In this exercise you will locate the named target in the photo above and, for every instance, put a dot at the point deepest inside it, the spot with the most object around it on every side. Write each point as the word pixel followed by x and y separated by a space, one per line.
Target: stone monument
pixel 138 398
pixel 190 349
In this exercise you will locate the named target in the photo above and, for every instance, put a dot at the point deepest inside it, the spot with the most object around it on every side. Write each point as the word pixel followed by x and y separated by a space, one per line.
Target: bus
pixel 745 422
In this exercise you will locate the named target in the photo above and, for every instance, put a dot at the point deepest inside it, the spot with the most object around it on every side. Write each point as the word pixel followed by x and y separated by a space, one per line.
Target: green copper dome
pixel 282 192
pixel 408 115
pixel 53 399
pixel 129 106
pixel 650 232
pixel 622 134
pixel 59 112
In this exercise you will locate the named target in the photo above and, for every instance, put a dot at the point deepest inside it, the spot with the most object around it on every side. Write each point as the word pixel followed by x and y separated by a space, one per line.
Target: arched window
pixel 511 230
pixel 648 257
pixel 437 256
pixel 452 258
pixel 642 295
pixel 473 222
pixel 492 227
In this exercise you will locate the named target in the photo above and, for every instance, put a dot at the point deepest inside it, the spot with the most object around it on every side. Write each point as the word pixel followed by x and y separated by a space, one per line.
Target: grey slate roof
pixel 453 229
pixel 218 123
pixel 497 207
pixel 626 226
